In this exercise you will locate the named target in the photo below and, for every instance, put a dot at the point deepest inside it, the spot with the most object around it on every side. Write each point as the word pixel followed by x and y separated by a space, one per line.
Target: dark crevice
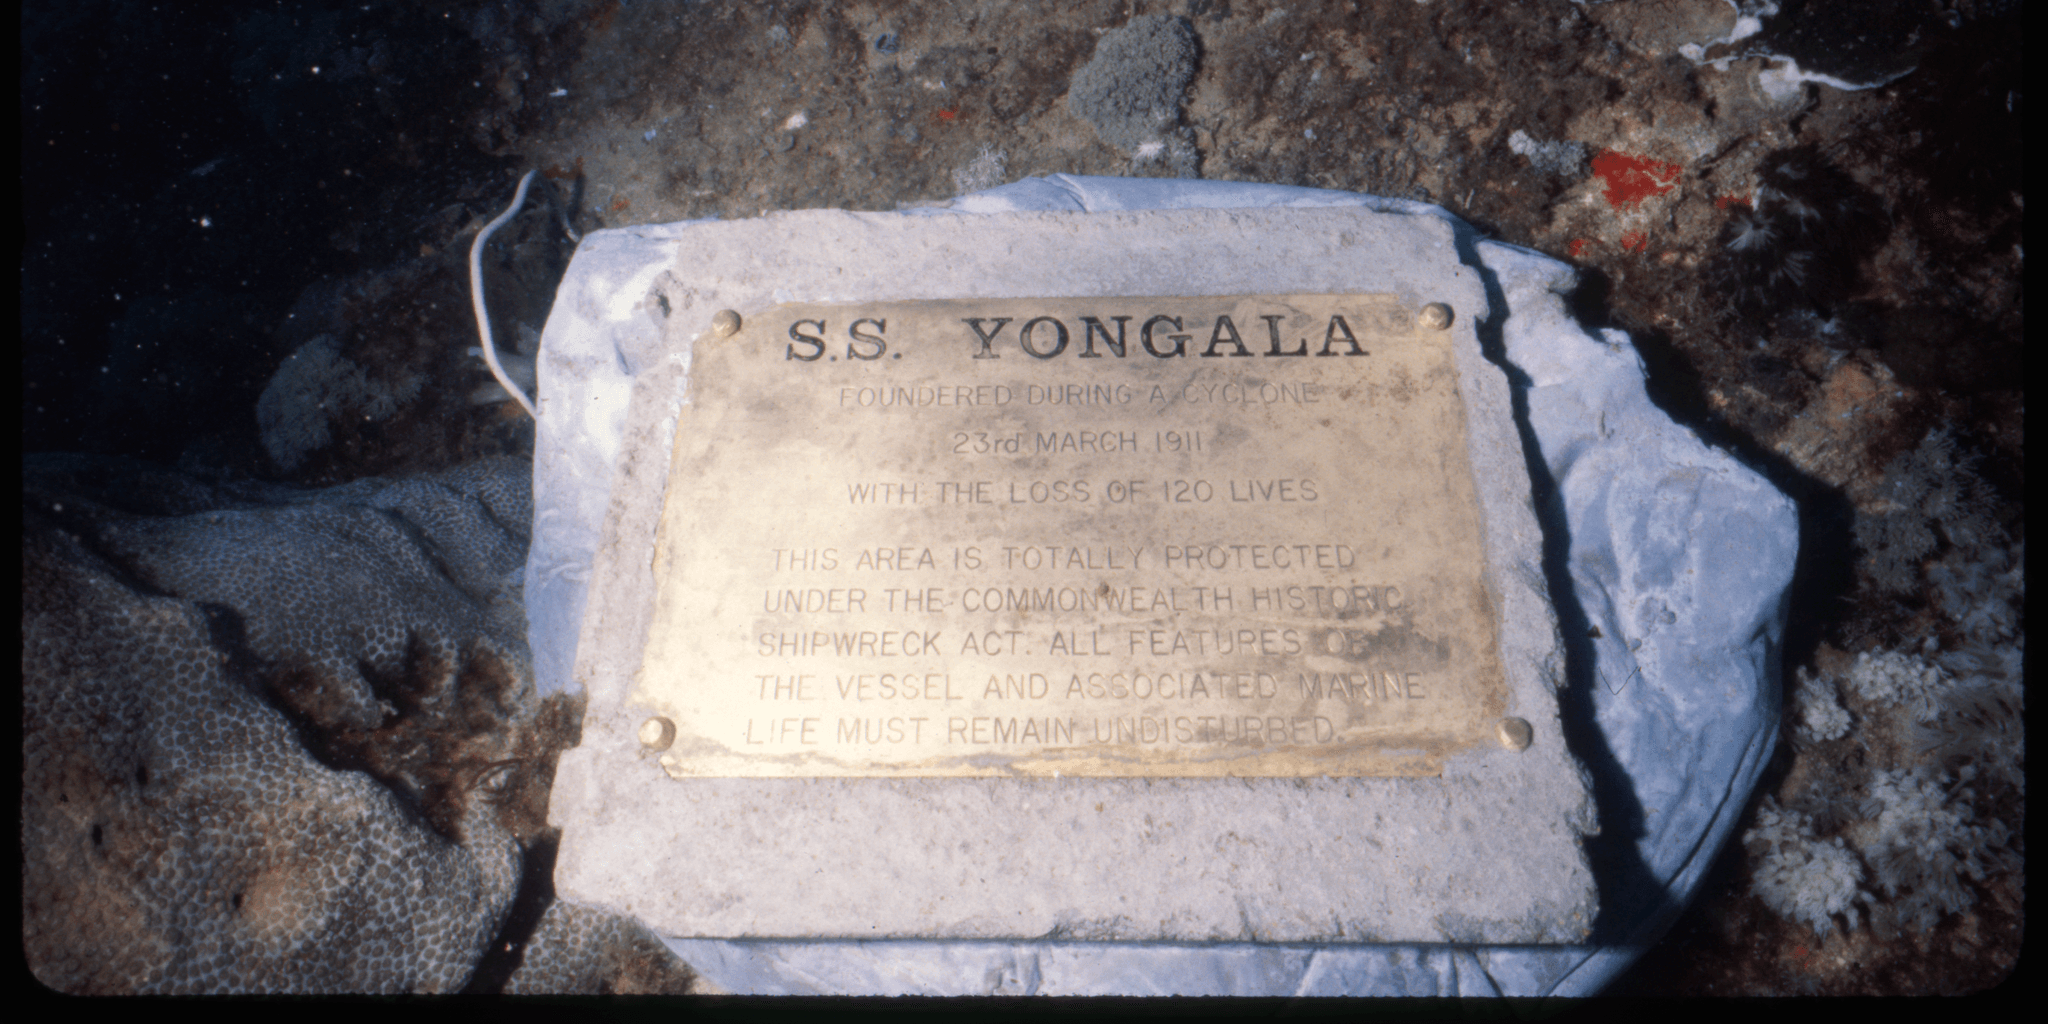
pixel 507 951
pixel 63 516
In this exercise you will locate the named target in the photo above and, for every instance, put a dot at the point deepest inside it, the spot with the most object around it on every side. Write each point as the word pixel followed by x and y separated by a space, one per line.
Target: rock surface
pixel 211 190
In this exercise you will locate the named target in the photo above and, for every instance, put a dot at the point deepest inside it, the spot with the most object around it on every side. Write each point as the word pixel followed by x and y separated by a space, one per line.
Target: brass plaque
pixel 1103 537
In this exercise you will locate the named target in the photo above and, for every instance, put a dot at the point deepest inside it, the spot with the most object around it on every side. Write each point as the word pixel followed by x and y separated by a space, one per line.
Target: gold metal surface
pixel 1107 537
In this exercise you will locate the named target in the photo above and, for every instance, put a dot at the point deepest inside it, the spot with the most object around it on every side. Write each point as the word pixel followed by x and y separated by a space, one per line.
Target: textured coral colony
pixel 1900 842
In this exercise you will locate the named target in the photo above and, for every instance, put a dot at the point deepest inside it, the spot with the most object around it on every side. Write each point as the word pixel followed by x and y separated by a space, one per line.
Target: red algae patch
pixel 1632 179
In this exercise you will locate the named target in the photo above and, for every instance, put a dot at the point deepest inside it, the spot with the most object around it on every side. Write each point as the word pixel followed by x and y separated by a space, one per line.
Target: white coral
pixel 1557 157
pixel 1821 716
pixel 1894 677
pixel 1921 842
pixel 313 386
pixel 1751 233
pixel 985 171
pixel 1982 590
pixel 1800 877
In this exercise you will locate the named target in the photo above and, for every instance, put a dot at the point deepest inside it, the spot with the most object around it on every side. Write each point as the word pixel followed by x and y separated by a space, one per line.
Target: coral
pixel 1981 721
pixel 279 740
pixel 1894 677
pixel 1914 827
pixel 1564 159
pixel 178 837
pixel 1961 714
pixel 1933 486
pixel 1819 710
pixel 1980 724
pixel 1916 833
pixel 314 386
pixel 1131 91
pixel 1800 245
pixel 1981 590
pixel 1920 841
pixel 984 171
pixel 578 950
pixel 1798 876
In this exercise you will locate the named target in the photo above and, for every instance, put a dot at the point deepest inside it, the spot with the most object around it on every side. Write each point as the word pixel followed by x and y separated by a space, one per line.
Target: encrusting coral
pixel 286 741
pixel 1132 89
pixel 177 836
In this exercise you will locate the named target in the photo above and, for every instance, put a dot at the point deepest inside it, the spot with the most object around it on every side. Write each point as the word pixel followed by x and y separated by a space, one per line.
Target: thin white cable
pixel 476 296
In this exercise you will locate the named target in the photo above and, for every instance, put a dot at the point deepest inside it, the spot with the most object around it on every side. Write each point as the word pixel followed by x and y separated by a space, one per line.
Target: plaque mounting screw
pixel 657 733
pixel 725 323
pixel 1436 316
pixel 1514 733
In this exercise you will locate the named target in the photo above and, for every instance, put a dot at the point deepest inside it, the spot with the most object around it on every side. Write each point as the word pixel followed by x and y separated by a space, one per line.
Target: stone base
pixel 1487 852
